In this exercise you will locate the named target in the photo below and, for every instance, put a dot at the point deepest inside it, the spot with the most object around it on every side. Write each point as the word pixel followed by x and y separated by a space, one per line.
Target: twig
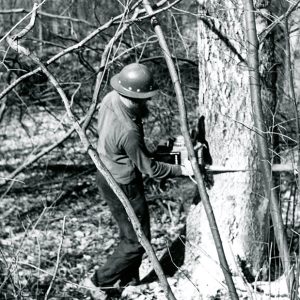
pixel 102 70
pixel 39 155
pixel 89 114
pixel 192 157
pixel 30 25
pixel 189 61
pixel 182 271
pixel 57 258
pixel 158 11
pixel 26 264
pixel 45 14
pixel 18 23
pixel 9 276
pixel 2 109
pixel 267 30
pixel 72 48
pixel 16 258
pixel 39 264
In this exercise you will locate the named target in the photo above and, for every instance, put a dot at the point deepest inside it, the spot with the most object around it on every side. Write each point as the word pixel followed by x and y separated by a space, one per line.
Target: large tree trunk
pixel 237 198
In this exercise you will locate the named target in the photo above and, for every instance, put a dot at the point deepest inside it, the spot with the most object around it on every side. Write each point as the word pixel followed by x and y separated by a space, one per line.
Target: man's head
pixel 136 86
pixel 135 81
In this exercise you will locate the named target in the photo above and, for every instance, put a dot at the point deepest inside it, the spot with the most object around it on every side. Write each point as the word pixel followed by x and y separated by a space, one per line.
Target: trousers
pixel 126 259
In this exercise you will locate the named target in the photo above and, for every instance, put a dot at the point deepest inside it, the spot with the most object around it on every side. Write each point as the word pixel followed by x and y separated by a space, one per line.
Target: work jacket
pixel 121 144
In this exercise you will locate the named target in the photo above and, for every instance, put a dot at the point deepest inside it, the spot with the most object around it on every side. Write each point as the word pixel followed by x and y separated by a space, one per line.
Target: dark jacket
pixel 121 144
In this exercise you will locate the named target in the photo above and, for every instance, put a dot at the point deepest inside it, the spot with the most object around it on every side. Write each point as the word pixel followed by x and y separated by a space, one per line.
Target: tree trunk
pixel 237 198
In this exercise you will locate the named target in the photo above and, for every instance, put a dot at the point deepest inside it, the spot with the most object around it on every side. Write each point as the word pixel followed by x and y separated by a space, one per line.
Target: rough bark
pixel 237 198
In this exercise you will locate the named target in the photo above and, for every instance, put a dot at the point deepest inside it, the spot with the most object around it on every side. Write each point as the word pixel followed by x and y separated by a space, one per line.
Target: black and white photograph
pixel 149 149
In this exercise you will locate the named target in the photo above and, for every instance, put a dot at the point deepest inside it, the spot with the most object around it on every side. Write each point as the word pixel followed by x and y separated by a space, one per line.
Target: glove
pixel 187 169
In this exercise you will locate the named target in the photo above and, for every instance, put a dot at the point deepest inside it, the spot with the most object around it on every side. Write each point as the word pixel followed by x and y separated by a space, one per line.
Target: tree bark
pixel 238 201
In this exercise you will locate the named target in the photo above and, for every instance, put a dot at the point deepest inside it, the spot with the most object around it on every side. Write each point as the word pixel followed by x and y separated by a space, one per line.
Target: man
pixel 122 149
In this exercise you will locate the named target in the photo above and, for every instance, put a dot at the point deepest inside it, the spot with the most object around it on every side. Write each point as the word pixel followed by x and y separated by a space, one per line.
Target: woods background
pixel 56 229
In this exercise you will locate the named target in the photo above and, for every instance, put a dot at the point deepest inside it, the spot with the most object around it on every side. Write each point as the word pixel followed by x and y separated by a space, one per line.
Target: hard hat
pixel 135 81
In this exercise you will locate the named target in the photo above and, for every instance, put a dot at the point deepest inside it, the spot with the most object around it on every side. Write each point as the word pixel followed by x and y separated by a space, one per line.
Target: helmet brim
pixel 114 82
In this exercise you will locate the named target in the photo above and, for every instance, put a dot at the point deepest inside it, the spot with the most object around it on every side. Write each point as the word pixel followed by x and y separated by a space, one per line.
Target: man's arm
pixel 136 150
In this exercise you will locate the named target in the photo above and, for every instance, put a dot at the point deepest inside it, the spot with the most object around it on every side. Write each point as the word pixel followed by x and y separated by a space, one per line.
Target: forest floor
pixel 55 228
pixel 49 246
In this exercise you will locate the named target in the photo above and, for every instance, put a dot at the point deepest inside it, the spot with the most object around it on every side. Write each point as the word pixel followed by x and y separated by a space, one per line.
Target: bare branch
pixel 158 11
pixel 2 109
pixel 101 167
pixel 192 157
pixel 74 47
pixel 262 144
pixel 267 30
pixel 30 25
pixel 45 14
pixel 18 23
pixel 40 154
pixel 102 70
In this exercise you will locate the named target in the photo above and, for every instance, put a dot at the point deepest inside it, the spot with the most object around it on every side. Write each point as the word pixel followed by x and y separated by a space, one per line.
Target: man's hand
pixel 187 169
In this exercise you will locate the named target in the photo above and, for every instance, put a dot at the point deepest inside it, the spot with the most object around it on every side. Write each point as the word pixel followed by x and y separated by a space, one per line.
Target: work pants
pixel 125 261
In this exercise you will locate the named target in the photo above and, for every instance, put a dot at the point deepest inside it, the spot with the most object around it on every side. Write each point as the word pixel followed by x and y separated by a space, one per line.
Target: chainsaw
pixel 174 151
